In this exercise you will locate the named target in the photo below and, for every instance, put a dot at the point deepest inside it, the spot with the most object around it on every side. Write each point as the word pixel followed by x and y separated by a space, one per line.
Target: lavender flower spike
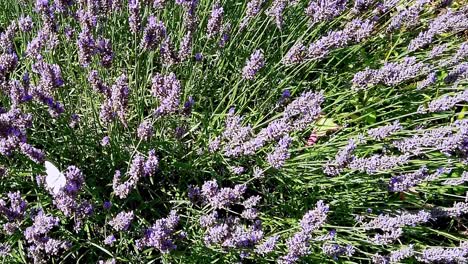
pixel 253 65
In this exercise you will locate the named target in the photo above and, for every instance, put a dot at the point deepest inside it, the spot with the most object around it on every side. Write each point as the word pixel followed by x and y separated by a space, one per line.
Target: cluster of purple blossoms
pixel 449 22
pixel 459 73
pixel 253 65
pixel 50 79
pixel 281 152
pixel 377 163
pixel 319 10
pixel 86 47
pixel 112 260
pixel 185 47
pixel 161 235
pixel 13 126
pixel 407 17
pixel 67 200
pixel 430 79
pixel 167 52
pixel 253 9
pixel 14 213
pixel 458 209
pixel 457 181
pixel 116 100
pixel 109 240
pixel 362 5
pixel 342 159
pixel 166 88
pixel 239 140
pixel 140 167
pixel 276 11
pixel 382 132
pixel 296 54
pixel 403 182
pixel 354 32
pixel 104 49
pixel 392 226
pixel 391 74
pixel 444 255
pixel 41 245
pixel 122 221
pixel 6 38
pixel 444 103
pixel 228 231
pixel 134 19
pixel 438 50
pixel 44 39
pixel 335 250
pixel 447 139
pixel 298 244
pixel 153 34
pixel 145 130
pixel 215 21
pixel 394 256
pixel 267 246
pixel 25 24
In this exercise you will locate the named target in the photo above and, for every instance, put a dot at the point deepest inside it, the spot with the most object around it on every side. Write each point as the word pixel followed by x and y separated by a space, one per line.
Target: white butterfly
pixel 55 180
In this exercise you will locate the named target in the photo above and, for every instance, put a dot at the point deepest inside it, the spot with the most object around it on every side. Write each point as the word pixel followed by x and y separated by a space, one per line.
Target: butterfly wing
pixel 55 180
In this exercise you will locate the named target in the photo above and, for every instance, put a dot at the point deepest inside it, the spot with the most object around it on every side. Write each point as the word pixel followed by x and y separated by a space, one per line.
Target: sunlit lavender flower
pixel 444 255
pixel 153 34
pixel 335 250
pixel 276 11
pixel 457 181
pixel 362 5
pixel 296 54
pixel 446 22
pixel 407 17
pixel 145 130
pixel 354 32
pixel 403 182
pixel 387 237
pixel 105 141
pixel 119 97
pixel 445 102
pixel 253 8
pixel 104 48
pixel 33 153
pixel 161 235
pixel 438 50
pixel 134 19
pixel 267 246
pixel 122 221
pixel 159 4
pixel 460 72
pixel 166 88
pixel 86 47
pixel 377 163
pixel 109 240
pixel 215 20
pixel 280 154
pixel 298 244
pixel 74 120
pixel 185 48
pixel 342 159
pixel 253 65
pixel 225 34
pixel 389 223
pixel 25 24
pixel 319 11
pixel 446 139
pixel 429 80
pixel 37 236
pixel 382 132
pixel 167 52
pixel 398 255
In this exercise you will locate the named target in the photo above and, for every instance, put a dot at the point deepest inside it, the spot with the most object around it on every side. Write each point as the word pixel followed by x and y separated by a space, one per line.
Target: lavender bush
pixel 186 131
